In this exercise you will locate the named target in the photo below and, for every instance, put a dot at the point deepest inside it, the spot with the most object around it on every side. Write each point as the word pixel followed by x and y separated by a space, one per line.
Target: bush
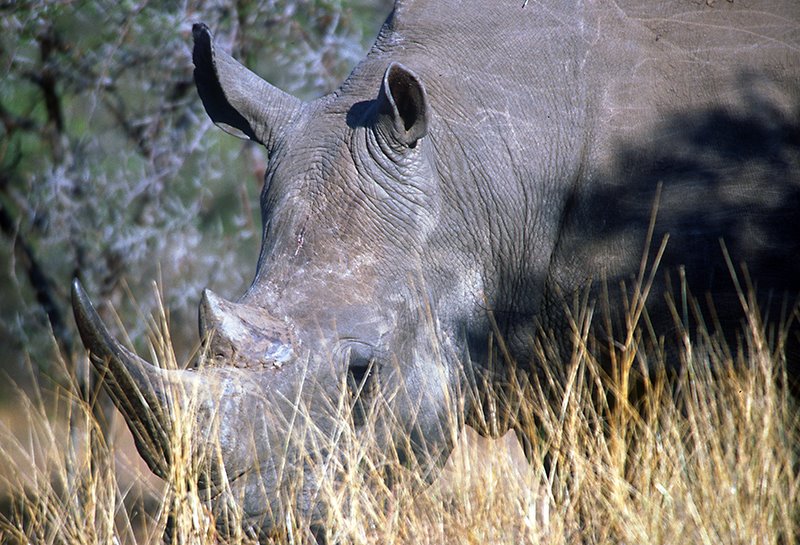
pixel 109 167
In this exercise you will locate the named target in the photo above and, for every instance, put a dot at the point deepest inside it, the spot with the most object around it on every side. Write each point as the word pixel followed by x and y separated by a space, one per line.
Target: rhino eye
pixel 361 382
pixel 359 367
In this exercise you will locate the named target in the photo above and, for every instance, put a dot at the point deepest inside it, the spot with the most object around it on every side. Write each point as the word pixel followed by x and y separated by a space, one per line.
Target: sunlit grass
pixel 60 474
pixel 705 455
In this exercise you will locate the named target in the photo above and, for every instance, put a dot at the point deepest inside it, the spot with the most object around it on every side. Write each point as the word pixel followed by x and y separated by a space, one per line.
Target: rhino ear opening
pixel 237 100
pixel 403 105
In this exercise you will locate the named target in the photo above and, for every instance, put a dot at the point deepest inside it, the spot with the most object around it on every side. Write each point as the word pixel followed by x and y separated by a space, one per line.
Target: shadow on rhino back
pixel 725 187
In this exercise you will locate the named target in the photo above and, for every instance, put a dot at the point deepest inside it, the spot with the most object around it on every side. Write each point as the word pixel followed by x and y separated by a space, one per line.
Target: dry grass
pixel 707 456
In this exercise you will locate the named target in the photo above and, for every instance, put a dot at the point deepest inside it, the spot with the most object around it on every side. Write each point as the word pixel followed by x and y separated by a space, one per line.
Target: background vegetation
pixel 110 170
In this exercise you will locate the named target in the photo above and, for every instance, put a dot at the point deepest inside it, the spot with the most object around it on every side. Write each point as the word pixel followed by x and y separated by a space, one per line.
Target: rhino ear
pixel 403 105
pixel 236 99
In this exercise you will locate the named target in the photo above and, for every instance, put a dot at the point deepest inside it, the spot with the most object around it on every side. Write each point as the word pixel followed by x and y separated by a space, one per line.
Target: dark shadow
pixel 726 177
pixel 361 114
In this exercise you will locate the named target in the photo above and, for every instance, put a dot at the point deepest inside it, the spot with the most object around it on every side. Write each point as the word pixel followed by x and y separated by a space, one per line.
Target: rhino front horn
pixel 145 394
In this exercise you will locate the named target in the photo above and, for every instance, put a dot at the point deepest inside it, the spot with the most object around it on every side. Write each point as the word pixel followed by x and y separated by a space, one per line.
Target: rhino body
pixel 480 166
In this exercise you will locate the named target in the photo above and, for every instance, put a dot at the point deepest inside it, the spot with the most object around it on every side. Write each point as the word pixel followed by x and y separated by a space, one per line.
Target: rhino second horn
pixel 241 335
pixel 236 99
pixel 143 393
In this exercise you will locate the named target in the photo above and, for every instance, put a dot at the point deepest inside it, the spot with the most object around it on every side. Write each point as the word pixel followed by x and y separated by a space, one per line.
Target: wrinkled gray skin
pixel 482 157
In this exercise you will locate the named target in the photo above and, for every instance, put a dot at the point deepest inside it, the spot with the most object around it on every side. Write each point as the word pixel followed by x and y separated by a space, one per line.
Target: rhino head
pixel 340 307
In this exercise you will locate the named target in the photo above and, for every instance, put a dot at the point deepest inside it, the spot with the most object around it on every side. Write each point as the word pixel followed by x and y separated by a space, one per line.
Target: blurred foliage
pixel 109 168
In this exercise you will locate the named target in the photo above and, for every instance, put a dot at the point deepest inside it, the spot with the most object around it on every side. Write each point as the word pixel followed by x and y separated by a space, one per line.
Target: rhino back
pixel 699 110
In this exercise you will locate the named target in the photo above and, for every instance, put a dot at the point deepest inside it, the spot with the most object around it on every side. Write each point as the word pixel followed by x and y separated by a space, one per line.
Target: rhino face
pixel 338 310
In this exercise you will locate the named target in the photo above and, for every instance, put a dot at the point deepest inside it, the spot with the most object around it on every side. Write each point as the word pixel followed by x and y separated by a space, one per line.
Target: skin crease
pixel 477 166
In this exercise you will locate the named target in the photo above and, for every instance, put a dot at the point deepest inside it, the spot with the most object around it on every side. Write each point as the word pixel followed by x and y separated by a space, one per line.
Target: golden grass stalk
pixel 704 455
